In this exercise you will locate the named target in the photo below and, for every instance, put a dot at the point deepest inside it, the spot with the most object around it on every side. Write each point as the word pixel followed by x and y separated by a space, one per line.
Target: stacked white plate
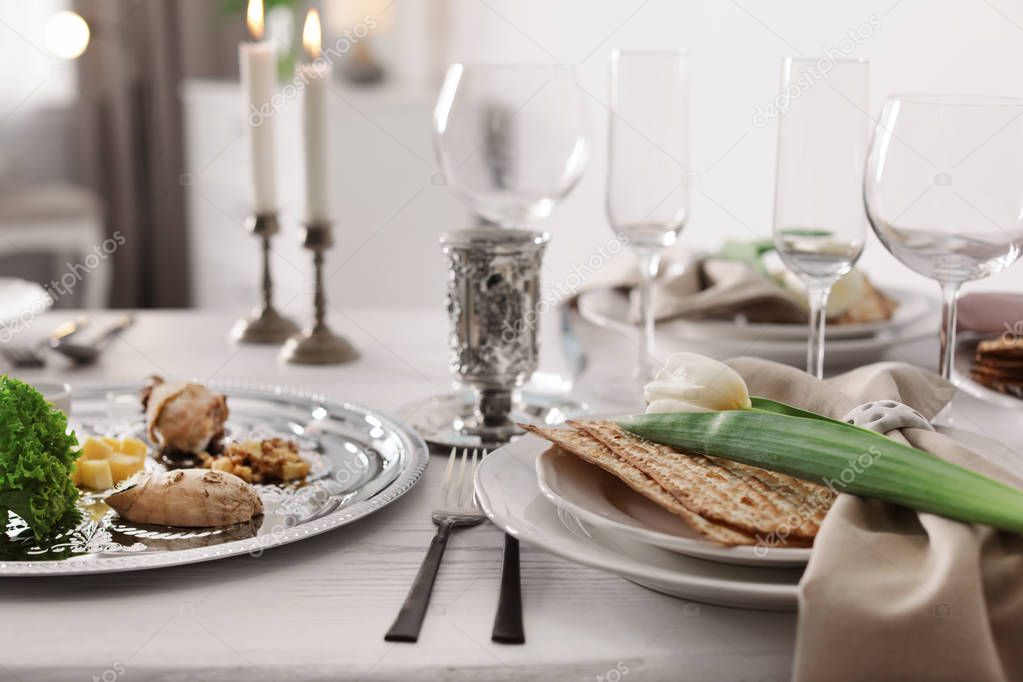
pixel 579 512
pixel 853 344
pixel 583 514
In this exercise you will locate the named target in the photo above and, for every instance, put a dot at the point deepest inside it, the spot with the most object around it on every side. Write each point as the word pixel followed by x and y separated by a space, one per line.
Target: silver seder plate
pixel 361 461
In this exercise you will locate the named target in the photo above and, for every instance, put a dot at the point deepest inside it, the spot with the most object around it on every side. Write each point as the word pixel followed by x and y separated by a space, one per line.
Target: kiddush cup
pixel 492 300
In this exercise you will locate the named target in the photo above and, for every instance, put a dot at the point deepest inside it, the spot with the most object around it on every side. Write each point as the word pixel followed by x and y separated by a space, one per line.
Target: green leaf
pixel 748 252
pixel 36 455
pixel 775 407
pixel 840 456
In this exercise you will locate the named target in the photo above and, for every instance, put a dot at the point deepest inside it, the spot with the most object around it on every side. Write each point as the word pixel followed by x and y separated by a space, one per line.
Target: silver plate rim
pixel 407 478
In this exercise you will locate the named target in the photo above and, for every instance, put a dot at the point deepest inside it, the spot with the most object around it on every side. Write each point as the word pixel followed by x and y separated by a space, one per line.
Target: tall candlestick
pixel 317 345
pixel 257 61
pixel 315 77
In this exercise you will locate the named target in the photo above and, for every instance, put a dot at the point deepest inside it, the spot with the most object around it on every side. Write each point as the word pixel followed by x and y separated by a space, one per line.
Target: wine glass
pixel 819 222
pixel 648 153
pixel 511 139
pixel 944 191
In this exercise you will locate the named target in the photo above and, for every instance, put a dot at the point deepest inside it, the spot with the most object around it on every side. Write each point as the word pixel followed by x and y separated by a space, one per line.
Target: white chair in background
pixel 59 219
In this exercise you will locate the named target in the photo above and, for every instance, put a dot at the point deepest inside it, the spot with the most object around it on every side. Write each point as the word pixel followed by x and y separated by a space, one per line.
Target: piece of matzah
pixel 593 451
pixel 749 498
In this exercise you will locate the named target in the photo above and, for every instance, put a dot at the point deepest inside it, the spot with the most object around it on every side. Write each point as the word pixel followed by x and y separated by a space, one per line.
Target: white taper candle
pixel 257 63
pixel 315 76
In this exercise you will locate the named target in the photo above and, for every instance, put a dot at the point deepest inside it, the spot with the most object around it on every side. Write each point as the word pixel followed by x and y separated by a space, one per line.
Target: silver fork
pixel 457 508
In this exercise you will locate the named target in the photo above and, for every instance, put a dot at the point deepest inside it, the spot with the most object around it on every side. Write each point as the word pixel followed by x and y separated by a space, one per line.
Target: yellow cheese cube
pixel 114 443
pixel 95 474
pixel 96 449
pixel 75 476
pixel 141 459
pixel 124 466
pixel 133 446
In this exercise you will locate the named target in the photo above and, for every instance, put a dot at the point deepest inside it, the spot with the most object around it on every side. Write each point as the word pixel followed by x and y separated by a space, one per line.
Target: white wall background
pixel 736 46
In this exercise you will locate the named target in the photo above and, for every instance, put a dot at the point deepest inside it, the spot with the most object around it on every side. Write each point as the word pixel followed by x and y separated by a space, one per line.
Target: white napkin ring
pixel 883 416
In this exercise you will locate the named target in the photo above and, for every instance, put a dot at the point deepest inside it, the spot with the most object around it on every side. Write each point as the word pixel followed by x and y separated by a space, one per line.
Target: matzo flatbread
pixel 752 499
pixel 591 450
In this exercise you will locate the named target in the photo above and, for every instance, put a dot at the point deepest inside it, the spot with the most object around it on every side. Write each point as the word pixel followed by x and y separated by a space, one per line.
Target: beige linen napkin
pixel 890 593
pixel 705 287
pixel 719 288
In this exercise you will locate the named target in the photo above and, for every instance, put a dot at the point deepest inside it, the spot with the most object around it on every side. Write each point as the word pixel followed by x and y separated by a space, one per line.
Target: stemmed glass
pixel 511 139
pixel 819 222
pixel 944 191
pixel 648 150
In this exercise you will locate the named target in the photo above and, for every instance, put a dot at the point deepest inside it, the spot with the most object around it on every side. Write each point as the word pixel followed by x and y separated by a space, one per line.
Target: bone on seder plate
pixel 186 422
pixel 183 418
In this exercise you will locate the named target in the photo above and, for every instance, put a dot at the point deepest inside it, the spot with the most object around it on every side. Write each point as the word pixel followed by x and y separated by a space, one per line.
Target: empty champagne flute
pixel 819 222
pixel 648 149
pixel 944 191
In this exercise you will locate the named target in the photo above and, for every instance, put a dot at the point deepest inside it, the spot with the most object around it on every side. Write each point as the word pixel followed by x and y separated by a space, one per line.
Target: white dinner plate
pixel 603 501
pixel 600 336
pixel 507 489
pixel 611 306
pixel 508 492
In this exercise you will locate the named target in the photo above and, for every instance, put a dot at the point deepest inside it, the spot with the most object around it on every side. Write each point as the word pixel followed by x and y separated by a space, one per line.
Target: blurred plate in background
pixel 611 306
pixel 20 299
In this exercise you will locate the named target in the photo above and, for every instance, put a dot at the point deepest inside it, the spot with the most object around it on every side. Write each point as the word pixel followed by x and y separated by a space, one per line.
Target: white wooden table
pixel 318 609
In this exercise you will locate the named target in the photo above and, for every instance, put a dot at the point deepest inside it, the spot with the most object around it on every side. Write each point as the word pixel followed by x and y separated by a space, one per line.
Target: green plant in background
pixel 748 252
pixel 36 457
pixel 229 7
pixel 286 59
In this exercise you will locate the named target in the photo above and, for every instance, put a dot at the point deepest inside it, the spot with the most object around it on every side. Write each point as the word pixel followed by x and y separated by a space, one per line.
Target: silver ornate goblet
pixel 493 295
pixel 493 303
pixel 511 143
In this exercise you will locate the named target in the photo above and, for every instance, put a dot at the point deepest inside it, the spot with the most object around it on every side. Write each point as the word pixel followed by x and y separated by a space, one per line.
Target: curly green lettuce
pixel 36 457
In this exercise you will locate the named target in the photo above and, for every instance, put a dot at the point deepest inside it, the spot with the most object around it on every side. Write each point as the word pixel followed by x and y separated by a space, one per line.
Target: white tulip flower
pixel 691 382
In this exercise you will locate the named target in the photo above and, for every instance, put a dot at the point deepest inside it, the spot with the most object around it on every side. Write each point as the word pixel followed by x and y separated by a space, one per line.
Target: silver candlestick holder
pixel 318 345
pixel 265 325
pixel 493 304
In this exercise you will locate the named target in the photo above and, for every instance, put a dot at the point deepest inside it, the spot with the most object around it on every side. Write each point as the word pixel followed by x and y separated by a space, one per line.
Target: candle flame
pixel 312 34
pixel 254 19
